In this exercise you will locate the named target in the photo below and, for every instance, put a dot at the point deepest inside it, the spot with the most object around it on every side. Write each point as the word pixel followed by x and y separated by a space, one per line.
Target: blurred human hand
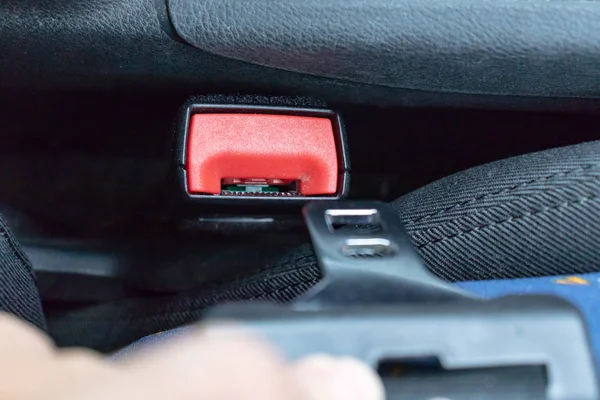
pixel 214 363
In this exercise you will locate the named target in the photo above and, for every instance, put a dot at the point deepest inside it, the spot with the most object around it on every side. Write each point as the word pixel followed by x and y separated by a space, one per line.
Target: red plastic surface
pixel 261 146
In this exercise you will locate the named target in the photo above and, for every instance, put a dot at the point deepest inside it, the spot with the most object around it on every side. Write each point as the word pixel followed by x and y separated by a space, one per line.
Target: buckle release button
pixel 261 155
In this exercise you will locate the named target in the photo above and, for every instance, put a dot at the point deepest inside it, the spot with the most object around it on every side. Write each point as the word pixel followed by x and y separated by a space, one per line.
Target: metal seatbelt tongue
pixel 367 258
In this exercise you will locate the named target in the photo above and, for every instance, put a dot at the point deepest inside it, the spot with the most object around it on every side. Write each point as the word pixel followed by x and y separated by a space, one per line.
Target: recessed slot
pixel 358 221
pixel 367 248
pixel 260 187
pixel 426 378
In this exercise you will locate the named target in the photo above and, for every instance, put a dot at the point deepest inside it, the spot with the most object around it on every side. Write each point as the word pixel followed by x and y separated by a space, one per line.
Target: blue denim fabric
pixel 581 290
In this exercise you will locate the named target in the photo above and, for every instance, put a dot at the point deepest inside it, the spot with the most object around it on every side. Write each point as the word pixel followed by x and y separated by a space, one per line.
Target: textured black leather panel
pixel 127 44
pixel 502 47
pixel 67 42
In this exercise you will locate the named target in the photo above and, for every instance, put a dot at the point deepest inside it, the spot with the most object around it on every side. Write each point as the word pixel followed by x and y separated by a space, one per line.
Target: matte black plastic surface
pixel 511 331
pixel 389 270
pixel 385 306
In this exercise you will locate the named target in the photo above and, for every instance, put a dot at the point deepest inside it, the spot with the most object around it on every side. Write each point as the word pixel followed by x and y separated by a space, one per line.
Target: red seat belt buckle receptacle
pixel 268 153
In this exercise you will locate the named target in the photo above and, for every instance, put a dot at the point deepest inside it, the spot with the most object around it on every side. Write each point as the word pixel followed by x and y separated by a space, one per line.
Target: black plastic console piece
pixel 377 302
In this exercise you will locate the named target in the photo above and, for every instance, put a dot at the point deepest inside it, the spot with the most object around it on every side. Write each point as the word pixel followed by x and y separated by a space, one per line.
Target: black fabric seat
pixel 532 215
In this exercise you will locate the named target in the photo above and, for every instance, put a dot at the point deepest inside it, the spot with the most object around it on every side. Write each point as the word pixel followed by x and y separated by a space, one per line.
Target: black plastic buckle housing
pixel 205 199
pixel 378 303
